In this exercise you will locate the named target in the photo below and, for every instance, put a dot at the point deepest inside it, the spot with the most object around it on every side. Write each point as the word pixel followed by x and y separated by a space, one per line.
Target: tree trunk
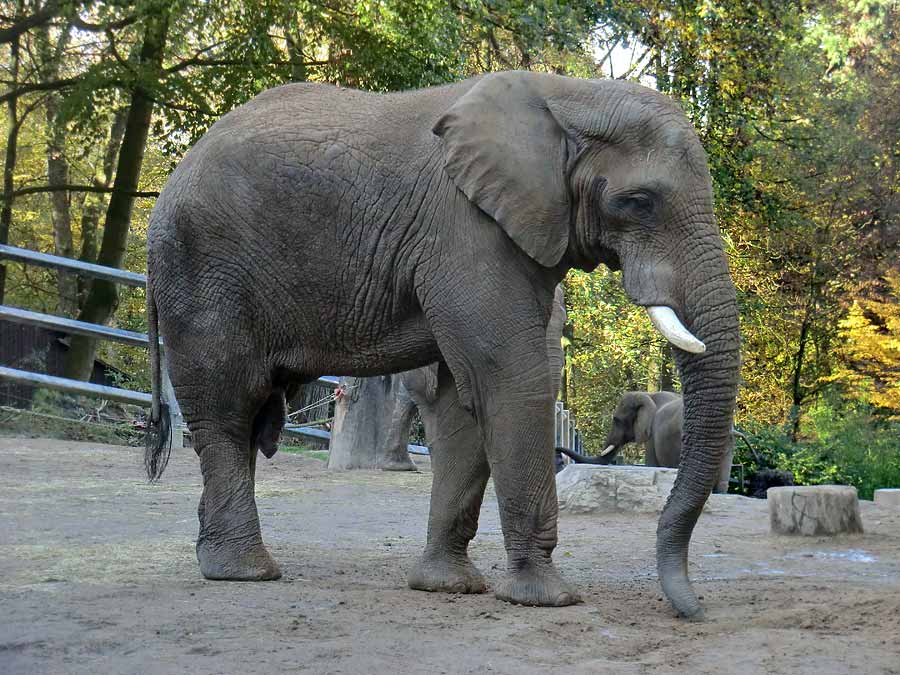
pixel 58 168
pixel 666 375
pixel 93 207
pixel 295 54
pixel 9 164
pixel 60 214
pixel 362 420
pixel 103 296
pixel 797 394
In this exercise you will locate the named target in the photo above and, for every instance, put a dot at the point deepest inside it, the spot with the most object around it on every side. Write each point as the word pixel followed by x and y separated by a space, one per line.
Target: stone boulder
pixel 592 488
pixel 589 488
pixel 887 497
pixel 814 510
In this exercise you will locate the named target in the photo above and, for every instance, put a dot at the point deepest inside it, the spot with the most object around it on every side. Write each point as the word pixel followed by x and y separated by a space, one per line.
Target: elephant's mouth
pixel 667 322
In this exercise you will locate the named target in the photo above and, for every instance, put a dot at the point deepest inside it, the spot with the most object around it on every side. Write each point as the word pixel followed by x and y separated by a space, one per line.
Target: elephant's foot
pixel 398 464
pixel 446 575
pixel 253 564
pixel 537 585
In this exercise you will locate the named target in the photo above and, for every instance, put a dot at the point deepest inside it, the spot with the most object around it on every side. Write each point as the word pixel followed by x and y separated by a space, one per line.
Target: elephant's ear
pixel 508 155
pixel 643 422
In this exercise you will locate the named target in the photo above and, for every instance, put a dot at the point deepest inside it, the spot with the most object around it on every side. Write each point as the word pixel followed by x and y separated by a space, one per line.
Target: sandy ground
pixel 98 575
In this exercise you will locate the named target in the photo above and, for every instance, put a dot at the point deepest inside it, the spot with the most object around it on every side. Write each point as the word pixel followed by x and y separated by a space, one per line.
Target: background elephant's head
pixel 579 172
pixel 632 422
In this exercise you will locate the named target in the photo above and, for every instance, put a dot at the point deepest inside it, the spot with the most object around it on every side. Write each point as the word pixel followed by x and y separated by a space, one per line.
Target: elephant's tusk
pixel 608 450
pixel 667 323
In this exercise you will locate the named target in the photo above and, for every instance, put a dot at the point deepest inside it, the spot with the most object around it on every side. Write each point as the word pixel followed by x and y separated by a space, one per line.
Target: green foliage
pixel 613 348
pixel 851 446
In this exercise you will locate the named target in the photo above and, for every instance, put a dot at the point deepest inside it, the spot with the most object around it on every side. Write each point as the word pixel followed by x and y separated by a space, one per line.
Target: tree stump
pixel 814 510
pixel 362 418
pixel 887 497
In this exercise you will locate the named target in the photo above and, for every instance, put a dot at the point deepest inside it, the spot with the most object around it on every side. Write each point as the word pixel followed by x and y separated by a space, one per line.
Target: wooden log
pixel 814 510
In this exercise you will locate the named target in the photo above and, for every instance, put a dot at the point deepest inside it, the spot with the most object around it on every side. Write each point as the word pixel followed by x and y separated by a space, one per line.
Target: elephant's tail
pixel 158 435
pixel 578 457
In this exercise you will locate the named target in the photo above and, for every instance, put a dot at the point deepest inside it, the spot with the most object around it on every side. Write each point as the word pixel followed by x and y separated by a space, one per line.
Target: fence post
pixel 168 396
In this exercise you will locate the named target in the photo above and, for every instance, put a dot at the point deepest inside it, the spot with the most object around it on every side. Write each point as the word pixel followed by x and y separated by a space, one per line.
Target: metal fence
pixel 564 431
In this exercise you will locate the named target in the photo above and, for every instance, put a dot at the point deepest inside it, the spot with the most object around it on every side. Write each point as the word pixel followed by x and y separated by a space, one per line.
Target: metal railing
pixel 564 427
pixel 73 327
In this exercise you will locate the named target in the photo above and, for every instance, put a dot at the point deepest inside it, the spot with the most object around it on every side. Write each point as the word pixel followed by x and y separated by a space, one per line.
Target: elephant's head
pixel 632 422
pixel 579 172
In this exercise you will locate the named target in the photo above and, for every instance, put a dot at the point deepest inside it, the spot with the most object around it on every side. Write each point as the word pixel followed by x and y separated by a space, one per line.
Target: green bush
pixel 845 444
pixel 866 446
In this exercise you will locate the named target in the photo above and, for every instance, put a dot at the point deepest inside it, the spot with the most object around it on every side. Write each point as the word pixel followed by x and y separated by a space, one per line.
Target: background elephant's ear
pixel 643 421
pixel 508 155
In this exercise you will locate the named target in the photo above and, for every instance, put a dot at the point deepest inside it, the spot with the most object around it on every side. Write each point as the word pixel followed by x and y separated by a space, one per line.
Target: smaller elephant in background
pixel 654 419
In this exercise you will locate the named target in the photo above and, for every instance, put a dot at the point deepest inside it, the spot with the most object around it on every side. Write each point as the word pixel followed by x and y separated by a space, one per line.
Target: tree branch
pixel 188 63
pixel 39 86
pixel 24 24
pixel 81 24
pixel 80 188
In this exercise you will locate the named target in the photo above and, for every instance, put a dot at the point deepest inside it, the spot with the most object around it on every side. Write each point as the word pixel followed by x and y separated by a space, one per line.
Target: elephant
pixel 322 230
pixel 418 390
pixel 654 419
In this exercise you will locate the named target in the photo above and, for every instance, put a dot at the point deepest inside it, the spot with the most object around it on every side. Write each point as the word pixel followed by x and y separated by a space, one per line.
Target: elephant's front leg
pixel 460 473
pixel 519 427
pixel 230 545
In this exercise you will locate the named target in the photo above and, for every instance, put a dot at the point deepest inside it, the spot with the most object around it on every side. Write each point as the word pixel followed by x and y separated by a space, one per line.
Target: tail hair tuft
pixel 158 444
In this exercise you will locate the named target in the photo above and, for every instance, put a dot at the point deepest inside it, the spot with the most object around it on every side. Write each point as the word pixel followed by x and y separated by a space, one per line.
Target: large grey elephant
pixel 319 230
pixel 654 419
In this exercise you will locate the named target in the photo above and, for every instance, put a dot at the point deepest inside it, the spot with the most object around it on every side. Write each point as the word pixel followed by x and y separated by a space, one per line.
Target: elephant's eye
pixel 637 205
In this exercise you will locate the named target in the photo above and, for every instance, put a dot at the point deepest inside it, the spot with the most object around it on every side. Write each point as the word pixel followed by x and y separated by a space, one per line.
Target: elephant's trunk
pixel 584 459
pixel 709 384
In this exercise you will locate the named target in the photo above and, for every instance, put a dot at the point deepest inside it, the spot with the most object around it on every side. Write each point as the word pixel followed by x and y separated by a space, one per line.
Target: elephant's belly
pixel 404 346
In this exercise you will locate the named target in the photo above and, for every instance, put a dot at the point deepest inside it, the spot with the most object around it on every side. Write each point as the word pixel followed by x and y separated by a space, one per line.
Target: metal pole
pixel 75 386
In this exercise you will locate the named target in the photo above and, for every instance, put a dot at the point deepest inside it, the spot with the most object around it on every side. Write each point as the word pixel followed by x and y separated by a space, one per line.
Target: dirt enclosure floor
pixel 98 575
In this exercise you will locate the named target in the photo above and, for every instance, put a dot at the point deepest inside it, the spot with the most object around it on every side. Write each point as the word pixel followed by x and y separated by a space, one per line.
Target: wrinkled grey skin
pixel 417 384
pixel 654 419
pixel 323 230
pixel 418 390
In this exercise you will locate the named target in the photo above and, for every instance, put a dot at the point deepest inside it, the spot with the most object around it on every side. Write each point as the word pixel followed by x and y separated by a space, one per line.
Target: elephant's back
pixel 315 117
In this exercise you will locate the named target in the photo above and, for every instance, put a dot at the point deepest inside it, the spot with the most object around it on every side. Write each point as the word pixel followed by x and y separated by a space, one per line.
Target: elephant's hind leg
pixel 221 420
pixel 461 472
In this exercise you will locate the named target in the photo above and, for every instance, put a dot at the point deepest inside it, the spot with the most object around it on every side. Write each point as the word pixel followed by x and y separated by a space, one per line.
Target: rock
pixel 591 488
pixel 814 510
pixel 887 497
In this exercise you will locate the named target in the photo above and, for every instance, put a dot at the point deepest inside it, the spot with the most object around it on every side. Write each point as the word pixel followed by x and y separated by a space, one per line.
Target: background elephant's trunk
pixel 709 384
pixel 585 459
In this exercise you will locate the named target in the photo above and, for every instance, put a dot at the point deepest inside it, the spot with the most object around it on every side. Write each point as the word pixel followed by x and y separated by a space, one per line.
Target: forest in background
pixel 795 102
